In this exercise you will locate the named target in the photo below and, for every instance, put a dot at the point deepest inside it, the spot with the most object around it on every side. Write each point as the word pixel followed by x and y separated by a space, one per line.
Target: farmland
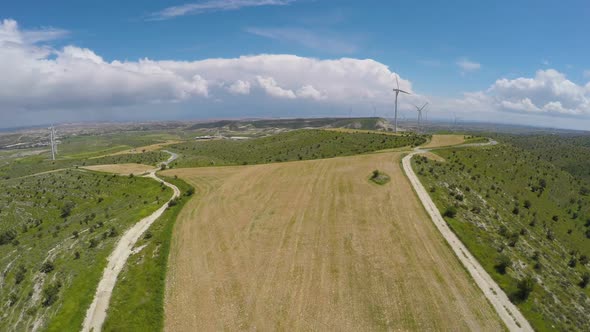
pixel 526 221
pixel 311 244
pixel 57 230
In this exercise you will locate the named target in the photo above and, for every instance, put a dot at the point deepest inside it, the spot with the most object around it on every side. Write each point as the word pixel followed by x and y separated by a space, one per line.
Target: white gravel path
pixel 507 311
pixel 96 314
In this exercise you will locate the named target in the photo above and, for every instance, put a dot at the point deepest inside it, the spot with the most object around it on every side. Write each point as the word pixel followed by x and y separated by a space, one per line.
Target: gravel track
pixel 97 312
pixel 507 311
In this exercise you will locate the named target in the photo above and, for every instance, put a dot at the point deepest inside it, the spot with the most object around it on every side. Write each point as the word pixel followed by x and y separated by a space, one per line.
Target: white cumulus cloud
pixel 548 93
pixel 240 87
pixel 36 77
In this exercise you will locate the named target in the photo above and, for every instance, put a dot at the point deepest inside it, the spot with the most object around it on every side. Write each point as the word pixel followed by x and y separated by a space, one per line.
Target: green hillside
pixel 289 146
pixel 527 222
pixel 571 153
pixel 56 231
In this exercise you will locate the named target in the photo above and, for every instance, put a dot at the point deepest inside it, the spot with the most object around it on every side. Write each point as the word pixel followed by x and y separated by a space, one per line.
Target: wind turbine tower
pixel 397 91
pixel 52 135
pixel 420 109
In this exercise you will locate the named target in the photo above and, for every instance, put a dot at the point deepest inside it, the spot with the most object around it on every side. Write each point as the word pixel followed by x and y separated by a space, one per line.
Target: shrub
pixel 47 267
pixel 585 280
pixel 525 287
pixel 173 202
pixel 190 191
pixel 502 264
pixel 50 294
pixel 450 212
pixel 20 274
pixel 66 209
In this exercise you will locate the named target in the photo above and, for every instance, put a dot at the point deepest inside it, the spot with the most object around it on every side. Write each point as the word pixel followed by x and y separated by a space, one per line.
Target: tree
pixel 585 280
pixel 503 262
pixel 190 191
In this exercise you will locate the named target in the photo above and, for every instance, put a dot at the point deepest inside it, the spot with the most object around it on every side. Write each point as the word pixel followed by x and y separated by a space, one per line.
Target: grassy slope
pixel 294 145
pixel 137 303
pixel 36 164
pixel 486 184
pixel 32 207
pixel 571 153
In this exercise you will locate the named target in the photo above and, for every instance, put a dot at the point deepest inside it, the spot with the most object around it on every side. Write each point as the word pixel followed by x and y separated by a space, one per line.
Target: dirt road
pixel 314 245
pixel 96 314
pixel 509 313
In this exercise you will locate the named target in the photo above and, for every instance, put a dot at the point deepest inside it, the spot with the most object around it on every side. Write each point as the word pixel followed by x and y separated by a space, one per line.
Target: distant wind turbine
pixel 397 91
pixel 420 109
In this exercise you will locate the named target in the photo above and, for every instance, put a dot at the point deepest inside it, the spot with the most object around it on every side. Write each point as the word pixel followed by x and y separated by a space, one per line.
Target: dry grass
pixel 445 140
pixel 313 245
pixel 432 156
pixel 121 169
pixel 147 148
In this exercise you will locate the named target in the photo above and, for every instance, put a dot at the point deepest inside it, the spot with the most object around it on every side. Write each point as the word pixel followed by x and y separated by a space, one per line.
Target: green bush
pixel 450 212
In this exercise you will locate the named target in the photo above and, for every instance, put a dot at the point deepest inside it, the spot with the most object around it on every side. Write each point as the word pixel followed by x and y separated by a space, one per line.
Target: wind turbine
pixel 397 91
pixel 53 143
pixel 420 109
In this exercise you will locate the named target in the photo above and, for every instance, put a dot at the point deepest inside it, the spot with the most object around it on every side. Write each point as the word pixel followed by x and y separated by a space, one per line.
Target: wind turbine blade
pixel 396 80
pixel 404 92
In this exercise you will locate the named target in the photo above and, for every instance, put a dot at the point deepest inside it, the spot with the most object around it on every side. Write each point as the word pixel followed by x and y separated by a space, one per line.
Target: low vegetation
pixel 137 303
pixel 570 153
pixel 37 164
pixel 289 146
pixel 56 230
pixel 528 223
pixel 379 177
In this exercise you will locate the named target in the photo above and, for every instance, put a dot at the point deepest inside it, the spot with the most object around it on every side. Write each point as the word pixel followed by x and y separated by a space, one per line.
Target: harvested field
pixel 141 149
pixel 313 245
pixel 121 169
pixel 445 140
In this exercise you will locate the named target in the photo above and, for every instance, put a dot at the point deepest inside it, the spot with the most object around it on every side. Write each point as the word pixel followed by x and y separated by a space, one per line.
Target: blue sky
pixel 441 50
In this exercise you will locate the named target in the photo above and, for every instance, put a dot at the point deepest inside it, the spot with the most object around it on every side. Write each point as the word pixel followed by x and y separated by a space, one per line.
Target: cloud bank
pixel 40 84
pixel 549 93
pixel 37 78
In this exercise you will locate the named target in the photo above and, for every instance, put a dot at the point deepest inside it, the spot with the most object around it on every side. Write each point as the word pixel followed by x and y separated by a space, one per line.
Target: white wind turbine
pixel 420 109
pixel 397 91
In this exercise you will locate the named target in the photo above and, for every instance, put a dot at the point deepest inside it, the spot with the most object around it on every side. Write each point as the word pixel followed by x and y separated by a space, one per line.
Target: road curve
pixel 97 312
pixel 507 311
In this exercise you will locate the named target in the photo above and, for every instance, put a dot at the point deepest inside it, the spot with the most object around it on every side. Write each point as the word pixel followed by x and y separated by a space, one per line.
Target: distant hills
pixel 372 123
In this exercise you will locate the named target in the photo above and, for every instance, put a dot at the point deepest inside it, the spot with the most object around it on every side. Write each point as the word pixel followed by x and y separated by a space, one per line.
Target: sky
pixel 520 62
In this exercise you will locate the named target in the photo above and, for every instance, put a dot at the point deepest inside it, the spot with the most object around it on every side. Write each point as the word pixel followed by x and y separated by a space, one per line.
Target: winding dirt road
pixel 96 314
pixel 507 311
